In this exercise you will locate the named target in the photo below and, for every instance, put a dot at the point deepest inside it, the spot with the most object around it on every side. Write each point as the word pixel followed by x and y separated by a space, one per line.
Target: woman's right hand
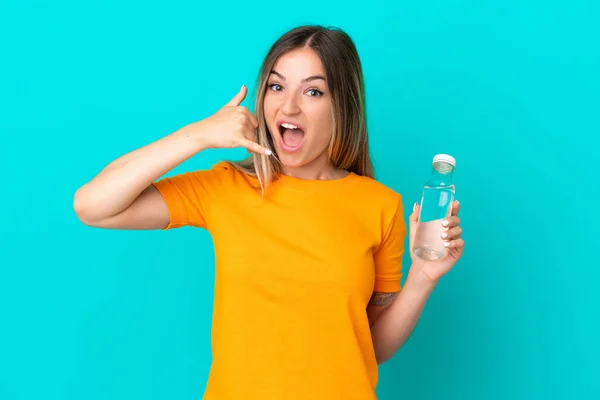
pixel 232 126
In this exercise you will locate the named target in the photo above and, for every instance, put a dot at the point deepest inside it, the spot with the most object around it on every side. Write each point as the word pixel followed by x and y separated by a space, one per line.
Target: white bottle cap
pixel 445 158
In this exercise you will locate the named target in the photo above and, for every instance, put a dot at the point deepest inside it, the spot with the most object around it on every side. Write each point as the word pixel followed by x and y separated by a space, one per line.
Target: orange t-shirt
pixel 294 273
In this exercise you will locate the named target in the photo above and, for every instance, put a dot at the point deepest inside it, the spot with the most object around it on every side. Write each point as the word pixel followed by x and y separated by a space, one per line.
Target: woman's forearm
pixel 120 182
pixel 396 323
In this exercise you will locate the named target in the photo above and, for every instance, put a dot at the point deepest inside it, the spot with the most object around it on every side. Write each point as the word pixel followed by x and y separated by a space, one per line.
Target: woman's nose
pixel 291 105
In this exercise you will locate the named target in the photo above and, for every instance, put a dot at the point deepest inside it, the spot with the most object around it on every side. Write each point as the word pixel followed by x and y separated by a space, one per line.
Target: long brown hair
pixel 349 146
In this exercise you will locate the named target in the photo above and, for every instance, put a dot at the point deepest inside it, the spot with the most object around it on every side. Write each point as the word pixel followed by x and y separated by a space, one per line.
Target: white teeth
pixel 289 126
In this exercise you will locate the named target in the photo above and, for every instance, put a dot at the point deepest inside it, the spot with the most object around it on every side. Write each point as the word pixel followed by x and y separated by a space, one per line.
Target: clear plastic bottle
pixel 436 205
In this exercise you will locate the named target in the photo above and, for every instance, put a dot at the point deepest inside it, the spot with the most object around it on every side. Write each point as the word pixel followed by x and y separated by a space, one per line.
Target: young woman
pixel 308 245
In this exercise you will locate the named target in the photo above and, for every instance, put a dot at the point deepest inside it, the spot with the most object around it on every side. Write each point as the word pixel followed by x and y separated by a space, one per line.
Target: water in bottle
pixel 436 205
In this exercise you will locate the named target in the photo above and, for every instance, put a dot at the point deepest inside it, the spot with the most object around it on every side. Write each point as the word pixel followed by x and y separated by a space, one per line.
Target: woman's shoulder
pixel 219 175
pixel 375 187
pixel 376 192
pixel 225 169
pixel 234 175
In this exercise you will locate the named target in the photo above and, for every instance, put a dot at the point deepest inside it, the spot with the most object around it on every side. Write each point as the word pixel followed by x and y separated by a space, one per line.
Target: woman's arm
pixel 121 196
pixel 394 324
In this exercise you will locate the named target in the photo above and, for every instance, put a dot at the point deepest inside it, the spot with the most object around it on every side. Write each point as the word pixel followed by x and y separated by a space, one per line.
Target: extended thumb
pixel 239 97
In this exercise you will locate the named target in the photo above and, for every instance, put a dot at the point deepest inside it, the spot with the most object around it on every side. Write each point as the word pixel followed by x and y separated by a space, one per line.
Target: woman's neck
pixel 315 170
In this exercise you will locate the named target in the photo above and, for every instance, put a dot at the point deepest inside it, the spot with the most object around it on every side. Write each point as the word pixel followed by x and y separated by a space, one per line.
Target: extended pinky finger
pixel 253 146
pixel 455 244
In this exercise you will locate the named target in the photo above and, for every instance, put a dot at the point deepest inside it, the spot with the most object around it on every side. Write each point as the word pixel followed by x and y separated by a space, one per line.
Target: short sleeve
pixel 188 196
pixel 388 257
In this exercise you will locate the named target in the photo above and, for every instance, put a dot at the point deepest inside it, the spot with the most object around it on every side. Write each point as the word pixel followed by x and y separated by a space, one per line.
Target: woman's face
pixel 298 110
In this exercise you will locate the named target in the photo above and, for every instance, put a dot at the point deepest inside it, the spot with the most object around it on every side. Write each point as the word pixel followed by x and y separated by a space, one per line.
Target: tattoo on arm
pixel 382 299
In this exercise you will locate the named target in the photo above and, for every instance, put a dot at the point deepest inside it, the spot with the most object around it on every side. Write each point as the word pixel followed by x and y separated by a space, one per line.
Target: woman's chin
pixel 291 160
pixel 301 159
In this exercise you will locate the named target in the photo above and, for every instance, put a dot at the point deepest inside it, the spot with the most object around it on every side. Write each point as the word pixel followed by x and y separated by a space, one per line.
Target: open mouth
pixel 292 136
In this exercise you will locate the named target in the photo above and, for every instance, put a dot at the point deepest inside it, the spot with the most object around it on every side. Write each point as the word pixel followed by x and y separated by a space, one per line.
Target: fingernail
pixel 446 244
pixel 444 235
pixel 457 202
pixel 242 87
pixel 414 207
pixel 445 222
pixel 268 152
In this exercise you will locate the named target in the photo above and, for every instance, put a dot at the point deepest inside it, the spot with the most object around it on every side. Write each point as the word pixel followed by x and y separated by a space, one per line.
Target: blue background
pixel 510 88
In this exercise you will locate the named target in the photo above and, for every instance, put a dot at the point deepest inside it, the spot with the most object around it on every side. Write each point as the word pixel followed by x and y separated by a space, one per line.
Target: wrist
pixel 418 277
pixel 193 135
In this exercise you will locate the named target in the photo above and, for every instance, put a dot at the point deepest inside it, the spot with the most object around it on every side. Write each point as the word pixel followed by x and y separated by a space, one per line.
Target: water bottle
pixel 436 205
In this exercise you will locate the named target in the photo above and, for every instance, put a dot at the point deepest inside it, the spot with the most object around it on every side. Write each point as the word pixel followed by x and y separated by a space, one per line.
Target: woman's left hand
pixel 434 270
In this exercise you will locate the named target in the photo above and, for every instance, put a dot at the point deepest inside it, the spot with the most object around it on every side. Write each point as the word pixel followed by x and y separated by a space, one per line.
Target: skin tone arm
pixel 394 316
pixel 121 196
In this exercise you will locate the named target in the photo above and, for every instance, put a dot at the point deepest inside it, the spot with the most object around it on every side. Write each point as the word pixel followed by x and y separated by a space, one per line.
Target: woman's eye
pixel 275 86
pixel 314 92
